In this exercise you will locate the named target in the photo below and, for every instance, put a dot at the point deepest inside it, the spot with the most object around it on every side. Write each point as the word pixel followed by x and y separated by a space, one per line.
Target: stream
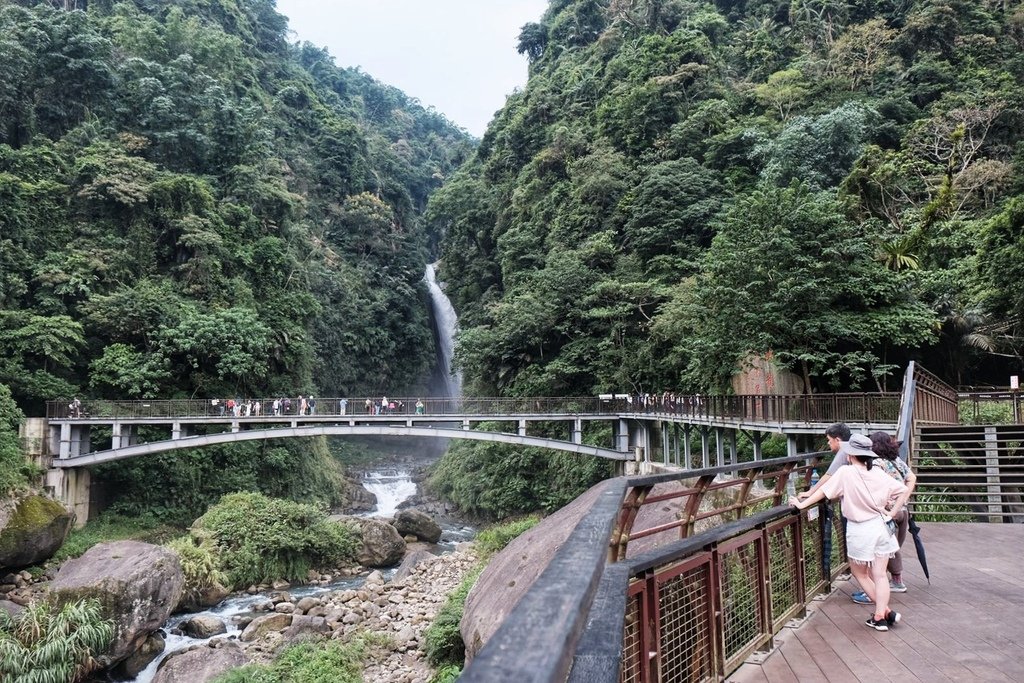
pixel 391 485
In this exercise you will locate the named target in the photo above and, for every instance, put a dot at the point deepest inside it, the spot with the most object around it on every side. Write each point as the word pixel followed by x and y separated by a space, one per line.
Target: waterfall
pixel 447 324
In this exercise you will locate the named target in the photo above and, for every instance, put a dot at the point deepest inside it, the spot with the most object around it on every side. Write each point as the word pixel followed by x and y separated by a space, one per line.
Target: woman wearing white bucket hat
pixel 866 492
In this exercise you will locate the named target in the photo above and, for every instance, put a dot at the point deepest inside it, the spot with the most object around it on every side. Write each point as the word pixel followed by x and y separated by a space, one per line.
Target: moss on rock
pixel 34 531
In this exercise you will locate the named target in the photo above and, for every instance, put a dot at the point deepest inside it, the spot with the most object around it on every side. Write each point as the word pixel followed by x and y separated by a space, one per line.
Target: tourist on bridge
pixel 868 493
pixel 383 409
pixel 287 405
pixel 369 407
pixel 75 408
pixel 888 451
pixel 311 404
pixel 303 406
pixel 419 406
pixel 342 406
pixel 276 406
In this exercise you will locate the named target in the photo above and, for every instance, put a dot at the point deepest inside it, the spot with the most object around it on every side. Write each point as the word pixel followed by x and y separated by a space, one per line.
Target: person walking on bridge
pixel 867 493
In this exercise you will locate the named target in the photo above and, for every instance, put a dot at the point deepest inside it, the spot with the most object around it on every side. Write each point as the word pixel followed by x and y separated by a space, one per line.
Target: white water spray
pixel 391 486
pixel 447 326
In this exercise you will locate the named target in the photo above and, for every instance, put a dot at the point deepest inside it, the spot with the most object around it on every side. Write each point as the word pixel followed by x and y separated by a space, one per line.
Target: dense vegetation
pixel 192 206
pixel 332 662
pixel 252 538
pixel 686 188
pixel 683 186
pixel 45 643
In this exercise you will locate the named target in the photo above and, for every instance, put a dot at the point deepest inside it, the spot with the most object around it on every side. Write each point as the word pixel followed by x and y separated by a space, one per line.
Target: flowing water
pixel 447 325
pixel 391 484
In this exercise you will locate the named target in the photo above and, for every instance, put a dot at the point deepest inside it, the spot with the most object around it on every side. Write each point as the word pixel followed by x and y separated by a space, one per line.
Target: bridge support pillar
pixel 719 447
pixel 577 430
pixel 791 445
pixel 686 446
pixel 522 428
pixel 756 438
pixel 73 488
pixel 236 427
pixel 734 455
pixel 465 425
pixel 175 431
pixel 705 449
pixel 621 435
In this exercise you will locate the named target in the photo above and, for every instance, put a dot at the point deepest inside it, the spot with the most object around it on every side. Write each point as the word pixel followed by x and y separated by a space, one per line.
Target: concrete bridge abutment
pixel 71 487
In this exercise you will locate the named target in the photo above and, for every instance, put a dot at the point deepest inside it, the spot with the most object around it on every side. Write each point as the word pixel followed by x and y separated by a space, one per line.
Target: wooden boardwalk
pixel 967 626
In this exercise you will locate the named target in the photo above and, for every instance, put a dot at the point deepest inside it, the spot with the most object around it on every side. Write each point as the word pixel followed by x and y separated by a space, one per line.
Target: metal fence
pixel 691 609
pixel 812 408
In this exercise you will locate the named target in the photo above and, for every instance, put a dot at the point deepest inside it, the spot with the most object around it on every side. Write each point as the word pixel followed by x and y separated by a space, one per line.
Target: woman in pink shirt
pixel 866 492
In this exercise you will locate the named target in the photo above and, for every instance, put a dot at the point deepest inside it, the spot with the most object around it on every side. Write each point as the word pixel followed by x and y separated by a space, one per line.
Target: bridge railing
pixel 691 608
pixel 811 408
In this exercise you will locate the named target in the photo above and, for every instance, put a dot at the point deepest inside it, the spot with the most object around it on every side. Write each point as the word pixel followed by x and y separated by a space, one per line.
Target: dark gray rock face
pixel 140 659
pixel 137 584
pixel 381 544
pixel 32 529
pixel 411 522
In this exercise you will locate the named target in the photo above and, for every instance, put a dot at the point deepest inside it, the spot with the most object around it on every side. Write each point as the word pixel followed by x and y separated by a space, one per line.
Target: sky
pixel 458 56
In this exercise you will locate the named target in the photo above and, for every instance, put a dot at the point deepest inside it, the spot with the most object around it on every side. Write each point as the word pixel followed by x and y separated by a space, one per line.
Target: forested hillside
pixel 192 206
pixel 683 186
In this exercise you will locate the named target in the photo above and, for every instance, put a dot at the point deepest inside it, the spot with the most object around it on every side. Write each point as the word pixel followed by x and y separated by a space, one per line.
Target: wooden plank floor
pixel 967 626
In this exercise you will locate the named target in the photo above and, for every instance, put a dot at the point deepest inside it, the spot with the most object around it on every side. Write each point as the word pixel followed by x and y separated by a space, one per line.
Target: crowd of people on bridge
pixel 874 485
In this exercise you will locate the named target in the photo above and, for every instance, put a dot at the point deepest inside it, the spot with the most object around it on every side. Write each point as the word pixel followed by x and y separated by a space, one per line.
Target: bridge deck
pixel 967 625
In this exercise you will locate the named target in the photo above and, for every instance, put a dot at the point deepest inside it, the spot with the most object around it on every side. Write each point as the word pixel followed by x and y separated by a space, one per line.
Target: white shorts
pixel 867 540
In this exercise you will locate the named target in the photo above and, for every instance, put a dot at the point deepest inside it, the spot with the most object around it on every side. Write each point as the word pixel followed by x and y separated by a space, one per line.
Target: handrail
pixel 595 591
pixel 788 408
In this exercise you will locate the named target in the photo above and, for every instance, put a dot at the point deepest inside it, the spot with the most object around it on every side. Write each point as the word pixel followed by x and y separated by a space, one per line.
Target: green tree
pixel 789 275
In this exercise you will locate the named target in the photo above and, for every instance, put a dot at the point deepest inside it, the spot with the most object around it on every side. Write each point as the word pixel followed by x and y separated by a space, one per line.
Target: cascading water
pixel 391 487
pixel 447 324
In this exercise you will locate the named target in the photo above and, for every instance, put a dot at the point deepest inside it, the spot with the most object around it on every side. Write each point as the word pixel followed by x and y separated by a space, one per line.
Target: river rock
pixel 32 529
pixel 12 608
pixel 306 604
pixel 201 664
pixel 265 624
pixel 203 626
pixel 409 564
pixel 196 600
pixel 381 544
pixel 140 659
pixel 137 584
pixel 306 627
pixel 411 522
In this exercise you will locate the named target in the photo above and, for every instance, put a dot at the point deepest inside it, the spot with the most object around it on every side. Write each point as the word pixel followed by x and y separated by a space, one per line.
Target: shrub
pixel 448 674
pixel 200 564
pixel 444 644
pixel 16 472
pixel 492 539
pixel 49 644
pixel 333 662
pixel 260 538
pixel 113 527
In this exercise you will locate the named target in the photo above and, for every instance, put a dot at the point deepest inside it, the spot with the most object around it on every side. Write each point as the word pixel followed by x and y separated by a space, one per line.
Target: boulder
pixel 197 600
pixel 412 522
pixel 32 528
pixel 12 608
pixel 306 627
pixel 203 626
pixel 137 585
pixel 381 544
pixel 201 664
pixel 410 562
pixel 512 571
pixel 140 659
pixel 265 624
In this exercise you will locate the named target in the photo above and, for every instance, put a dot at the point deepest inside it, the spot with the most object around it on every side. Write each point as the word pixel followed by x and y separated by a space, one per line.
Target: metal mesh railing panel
pixel 782 570
pixel 687 642
pixel 740 599
pixel 632 661
pixel 812 558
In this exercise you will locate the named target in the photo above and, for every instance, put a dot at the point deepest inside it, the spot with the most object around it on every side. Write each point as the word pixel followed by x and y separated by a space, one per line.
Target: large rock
pixel 203 626
pixel 200 599
pixel 512 571
pixel 410 562
pixel 381 544
pixel 260 626
pixel 201 664
pixel 412 522
pixel 137 584
pixel 32 528
pixel 140 659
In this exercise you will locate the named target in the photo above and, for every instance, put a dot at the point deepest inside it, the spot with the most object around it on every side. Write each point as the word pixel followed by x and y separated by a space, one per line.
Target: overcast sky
pixel 458 56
